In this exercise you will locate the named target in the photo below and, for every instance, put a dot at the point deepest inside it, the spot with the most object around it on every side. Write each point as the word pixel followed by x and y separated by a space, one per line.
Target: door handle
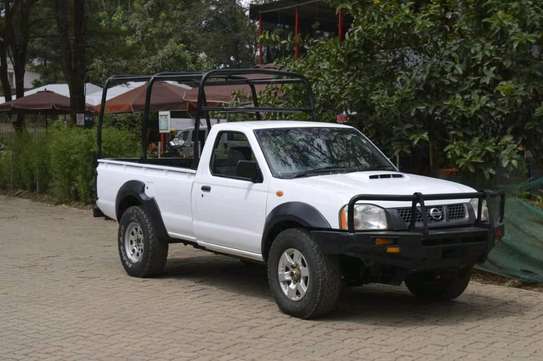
pixel 206 189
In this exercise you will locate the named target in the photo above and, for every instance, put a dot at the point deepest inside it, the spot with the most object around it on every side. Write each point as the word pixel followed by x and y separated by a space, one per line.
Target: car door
pixel 229 204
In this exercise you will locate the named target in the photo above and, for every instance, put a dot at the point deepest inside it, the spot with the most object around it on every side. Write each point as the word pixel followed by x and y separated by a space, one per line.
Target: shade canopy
pixel 170 96
pixel 220 94
pixel 41 102
pixel 165 96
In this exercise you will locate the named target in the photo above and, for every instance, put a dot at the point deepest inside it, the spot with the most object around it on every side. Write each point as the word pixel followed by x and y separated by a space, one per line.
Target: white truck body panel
pixel 231 217
pixel 170 186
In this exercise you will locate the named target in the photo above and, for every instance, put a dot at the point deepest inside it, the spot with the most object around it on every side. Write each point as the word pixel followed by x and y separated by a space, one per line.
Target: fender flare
pixel 136 190
pixel 300 213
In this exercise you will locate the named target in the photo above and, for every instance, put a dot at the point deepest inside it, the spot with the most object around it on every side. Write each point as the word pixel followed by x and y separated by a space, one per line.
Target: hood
pixel 345 186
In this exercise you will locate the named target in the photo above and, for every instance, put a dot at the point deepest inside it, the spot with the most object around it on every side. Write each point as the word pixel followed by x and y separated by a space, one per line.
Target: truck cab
pixel 317 203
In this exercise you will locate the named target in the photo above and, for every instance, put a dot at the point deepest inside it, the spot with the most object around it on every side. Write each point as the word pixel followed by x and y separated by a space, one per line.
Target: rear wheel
pixel 143 253
pixel 304 282
pixel 438 286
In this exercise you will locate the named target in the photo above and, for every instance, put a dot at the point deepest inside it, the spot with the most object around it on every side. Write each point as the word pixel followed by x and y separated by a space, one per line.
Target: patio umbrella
pixel 165 96
pixel 221 94
pixel 168 96
pixel 41 102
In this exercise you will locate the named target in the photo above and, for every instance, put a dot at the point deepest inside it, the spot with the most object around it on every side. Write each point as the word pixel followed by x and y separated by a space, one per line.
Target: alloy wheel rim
pixel 293 274
pixel 133 242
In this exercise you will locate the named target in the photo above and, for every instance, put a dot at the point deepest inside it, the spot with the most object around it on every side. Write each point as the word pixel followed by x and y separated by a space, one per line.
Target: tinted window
pixel 230 148
pixel 297 152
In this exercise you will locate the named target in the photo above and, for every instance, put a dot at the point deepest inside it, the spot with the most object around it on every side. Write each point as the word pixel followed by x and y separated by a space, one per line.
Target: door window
pixel 233 157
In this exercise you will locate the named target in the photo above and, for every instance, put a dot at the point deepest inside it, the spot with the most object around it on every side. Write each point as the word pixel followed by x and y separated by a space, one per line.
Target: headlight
pixel 366 217
pixel 484 208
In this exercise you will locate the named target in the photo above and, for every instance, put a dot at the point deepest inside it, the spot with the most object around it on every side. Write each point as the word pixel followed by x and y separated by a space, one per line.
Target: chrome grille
pixel 451 212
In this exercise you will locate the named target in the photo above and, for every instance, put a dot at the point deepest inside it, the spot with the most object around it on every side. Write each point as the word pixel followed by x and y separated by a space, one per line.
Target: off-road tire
pixel 439 287
pixel 324 284
pixel 155 249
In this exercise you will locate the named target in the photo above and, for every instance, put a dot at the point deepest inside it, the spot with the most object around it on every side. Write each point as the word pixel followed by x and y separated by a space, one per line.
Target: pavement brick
pixel 65 296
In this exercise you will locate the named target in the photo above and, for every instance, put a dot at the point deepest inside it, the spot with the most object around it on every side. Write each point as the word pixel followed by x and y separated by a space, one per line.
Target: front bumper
pixel 412 251
pixel 419 247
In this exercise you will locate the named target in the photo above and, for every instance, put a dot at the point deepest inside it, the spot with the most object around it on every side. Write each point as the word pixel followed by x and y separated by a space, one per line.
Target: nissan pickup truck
pixel 318 203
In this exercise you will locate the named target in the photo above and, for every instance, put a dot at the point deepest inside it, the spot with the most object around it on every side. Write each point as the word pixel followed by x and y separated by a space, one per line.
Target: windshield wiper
pixel 318 171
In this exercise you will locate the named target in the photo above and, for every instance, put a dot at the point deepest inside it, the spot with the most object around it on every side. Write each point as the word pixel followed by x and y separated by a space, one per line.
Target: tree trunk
pixel 71 24
pixel 6 86
pixel 17 18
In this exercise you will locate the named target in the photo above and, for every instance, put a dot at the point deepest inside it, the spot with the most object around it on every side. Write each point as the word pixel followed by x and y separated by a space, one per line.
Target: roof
pixel 267 124
pixel 63 89
pixel 96 97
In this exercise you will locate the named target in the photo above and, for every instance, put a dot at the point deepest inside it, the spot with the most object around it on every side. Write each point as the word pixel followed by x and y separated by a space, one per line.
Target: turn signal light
pixel 343 219
pixel 393 249
pixel 382 241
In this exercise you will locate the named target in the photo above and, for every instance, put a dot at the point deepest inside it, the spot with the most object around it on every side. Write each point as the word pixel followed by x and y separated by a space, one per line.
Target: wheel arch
pixel 132 193
pixel 290 215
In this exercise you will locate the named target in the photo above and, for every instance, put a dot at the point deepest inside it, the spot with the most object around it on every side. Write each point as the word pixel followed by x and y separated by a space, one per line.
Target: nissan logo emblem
pixel 436 214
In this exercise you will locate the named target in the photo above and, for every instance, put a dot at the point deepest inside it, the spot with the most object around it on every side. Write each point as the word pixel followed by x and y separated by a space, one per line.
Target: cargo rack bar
pixel 220 77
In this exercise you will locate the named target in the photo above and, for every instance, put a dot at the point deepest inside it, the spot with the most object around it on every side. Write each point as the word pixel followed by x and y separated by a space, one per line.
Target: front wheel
pixel 143 253
pixel 304 282
pixel 437 286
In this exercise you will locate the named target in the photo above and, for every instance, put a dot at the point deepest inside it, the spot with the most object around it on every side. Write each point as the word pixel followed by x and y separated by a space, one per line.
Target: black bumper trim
pixel 442 248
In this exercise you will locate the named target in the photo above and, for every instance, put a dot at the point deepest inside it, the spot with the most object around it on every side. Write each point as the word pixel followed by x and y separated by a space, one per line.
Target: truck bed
pixel 165 180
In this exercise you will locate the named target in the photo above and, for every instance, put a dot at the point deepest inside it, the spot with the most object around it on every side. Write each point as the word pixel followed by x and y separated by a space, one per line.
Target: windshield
pixel 300 152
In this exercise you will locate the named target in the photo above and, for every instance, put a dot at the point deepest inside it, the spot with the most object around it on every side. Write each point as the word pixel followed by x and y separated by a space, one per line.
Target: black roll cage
pixel 219 77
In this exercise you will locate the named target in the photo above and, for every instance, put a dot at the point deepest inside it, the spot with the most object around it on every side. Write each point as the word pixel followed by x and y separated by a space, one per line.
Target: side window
pixel 233 157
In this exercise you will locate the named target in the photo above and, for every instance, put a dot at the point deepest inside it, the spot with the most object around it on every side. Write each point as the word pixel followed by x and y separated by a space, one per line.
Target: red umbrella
pixel 165 96
pixel 40 102
pixel 220 94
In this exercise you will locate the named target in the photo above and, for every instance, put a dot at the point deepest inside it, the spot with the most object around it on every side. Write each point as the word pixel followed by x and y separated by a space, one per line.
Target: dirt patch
pixel 494 279
pixel 44 198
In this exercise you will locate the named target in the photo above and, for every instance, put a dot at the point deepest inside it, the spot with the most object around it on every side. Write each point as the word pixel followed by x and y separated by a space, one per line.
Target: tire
pixel 323 278
pixel 439 286
pixel 149 257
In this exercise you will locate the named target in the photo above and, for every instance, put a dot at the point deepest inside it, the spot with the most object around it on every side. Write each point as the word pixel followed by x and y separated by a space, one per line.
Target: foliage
pixel 461 80
pixel 60 162
pixel 147 36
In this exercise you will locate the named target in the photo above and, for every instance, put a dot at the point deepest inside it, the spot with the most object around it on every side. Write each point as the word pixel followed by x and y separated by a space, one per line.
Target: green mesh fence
pixel 520 253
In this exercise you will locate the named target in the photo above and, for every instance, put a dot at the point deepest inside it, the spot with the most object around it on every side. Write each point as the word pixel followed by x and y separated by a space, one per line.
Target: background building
pixel 297 20
pixel 30 77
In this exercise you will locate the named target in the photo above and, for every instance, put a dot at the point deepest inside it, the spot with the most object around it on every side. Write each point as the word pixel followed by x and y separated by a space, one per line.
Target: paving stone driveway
pixel 65 296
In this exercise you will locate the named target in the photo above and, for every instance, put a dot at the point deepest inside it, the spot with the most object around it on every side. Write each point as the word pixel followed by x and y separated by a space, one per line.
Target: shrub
pixel 440 78
pixel 60 162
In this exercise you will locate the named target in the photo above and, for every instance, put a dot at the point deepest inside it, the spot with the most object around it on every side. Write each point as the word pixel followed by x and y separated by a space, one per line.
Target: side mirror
pixel 248 169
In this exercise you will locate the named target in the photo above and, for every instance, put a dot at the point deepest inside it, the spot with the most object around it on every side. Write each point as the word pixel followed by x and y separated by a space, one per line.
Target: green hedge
pixel 60 162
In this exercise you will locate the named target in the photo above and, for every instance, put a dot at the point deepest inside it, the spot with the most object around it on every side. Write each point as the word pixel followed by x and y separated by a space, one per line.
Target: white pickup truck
pixel 318 203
